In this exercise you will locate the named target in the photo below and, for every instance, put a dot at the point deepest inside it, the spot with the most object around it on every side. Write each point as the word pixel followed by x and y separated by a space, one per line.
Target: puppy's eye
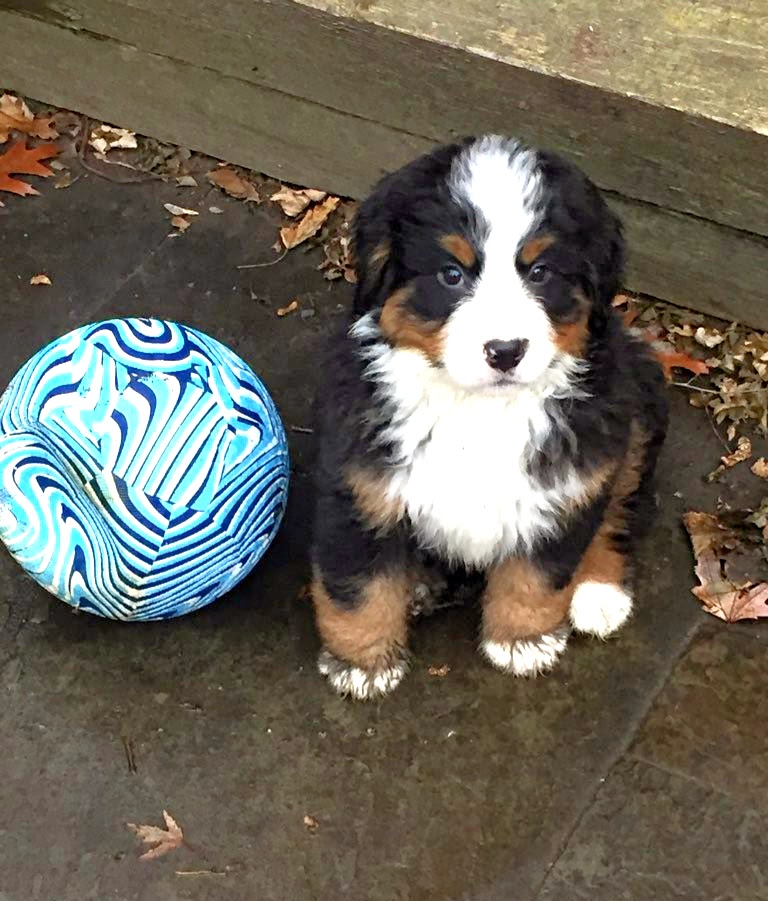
pixel 450 276
pixel 538 273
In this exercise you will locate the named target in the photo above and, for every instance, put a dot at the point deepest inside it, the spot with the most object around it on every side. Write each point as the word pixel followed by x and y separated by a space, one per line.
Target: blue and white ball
pixel 143 469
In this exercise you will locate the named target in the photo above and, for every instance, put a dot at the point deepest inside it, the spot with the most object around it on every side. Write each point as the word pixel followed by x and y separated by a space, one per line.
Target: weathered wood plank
pixel 696 264
pixel 284 136
pixel 682 258
pixel 673 157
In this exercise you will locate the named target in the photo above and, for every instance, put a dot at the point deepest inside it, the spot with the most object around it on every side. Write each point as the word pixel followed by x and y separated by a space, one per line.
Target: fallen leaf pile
pixel 163 840
pixel 731 563
pixel 19 159
pixel 734 356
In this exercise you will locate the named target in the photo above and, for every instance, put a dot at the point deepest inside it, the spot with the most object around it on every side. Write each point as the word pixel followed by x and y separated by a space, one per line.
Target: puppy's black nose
pixel 505 355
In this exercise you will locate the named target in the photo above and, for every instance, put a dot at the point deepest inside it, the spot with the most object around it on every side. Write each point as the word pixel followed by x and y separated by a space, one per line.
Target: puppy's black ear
pixel 609 256
pixel 372 252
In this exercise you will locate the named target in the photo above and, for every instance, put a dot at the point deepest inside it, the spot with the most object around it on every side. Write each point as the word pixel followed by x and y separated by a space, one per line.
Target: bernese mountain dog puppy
pixel 485 412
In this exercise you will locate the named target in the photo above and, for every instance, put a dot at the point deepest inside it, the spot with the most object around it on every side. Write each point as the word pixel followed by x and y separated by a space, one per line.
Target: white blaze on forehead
pixel 500 181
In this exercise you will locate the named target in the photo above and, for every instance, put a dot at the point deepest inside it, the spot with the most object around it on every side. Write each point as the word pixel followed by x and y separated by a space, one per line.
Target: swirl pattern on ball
pixel 143 469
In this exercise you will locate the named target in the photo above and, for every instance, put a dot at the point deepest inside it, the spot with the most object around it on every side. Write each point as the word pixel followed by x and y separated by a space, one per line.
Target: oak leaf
pixel 164 840
pixel 22 160
pixel 721 550
pixel 15 115
pixel 309 225
pixel 233 184
pixel 670 360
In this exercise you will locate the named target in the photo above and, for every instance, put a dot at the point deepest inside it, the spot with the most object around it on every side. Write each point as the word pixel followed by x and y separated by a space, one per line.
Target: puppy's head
pixel 493 261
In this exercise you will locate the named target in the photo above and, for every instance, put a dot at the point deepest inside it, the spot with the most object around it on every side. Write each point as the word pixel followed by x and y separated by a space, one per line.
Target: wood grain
pixel 333 102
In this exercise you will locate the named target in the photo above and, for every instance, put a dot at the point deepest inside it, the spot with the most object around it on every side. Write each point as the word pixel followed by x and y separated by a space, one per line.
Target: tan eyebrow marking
pixel 460 248
pixel 535 247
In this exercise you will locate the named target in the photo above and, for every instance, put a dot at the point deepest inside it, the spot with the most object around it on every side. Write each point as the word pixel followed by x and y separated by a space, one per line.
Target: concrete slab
pixel 462 787
pixel 656 835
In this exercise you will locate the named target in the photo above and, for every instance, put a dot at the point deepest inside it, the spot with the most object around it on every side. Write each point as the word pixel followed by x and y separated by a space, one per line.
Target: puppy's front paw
pixel 599 608
pixel 362 684
pixel 527 656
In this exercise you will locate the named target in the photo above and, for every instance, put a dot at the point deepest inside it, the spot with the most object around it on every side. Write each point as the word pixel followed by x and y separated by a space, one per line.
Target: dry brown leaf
pixel 179 210
pixel 311 823
pixel 291 308
pixel 309 225
pixel 720 550
pixel 64 180
pixel 15 115
pixel 22 160
pixel 164 840
pixel 674 360
pixel 233 184
pixel 181 223
pixel 41 279
pixel 104 138
pixel 760 468
pixel 743 452
pixel 295 200
pixel 708 337
pixel 439 671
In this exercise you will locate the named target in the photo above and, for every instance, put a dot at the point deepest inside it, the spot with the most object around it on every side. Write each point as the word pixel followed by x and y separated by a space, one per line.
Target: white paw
pixel 599 608
pixel 526 656
pixel 359 683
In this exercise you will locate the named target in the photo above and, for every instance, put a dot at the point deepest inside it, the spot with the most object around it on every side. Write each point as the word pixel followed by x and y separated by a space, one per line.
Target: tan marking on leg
pixel 602 562
pixel 533 249
pixel 404 328
pixel 370 492
pixel 372 634
pixel 519 602
pixel 460 249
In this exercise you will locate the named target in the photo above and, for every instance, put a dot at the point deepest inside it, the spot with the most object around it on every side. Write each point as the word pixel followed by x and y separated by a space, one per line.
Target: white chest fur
pixel 463 477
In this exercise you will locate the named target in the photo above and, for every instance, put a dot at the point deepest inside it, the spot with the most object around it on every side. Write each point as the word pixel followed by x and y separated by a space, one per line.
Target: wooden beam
pixel 655 102
pixel 312 98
